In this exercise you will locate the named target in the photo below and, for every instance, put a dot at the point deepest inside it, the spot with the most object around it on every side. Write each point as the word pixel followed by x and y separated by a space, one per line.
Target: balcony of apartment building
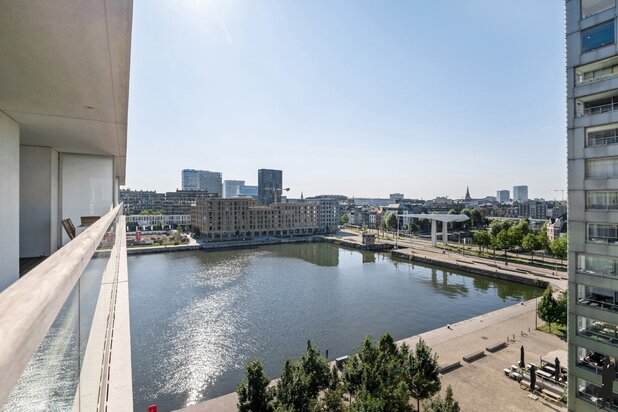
pixel 601 173
pixel 63 123
pixel 596 109
pixel 596 77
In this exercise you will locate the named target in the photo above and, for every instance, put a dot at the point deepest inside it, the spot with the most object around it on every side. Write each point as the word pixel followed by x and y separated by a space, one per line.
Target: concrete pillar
pixel 434 232
pixel 38 200
pixel 9 206
pixel 445 233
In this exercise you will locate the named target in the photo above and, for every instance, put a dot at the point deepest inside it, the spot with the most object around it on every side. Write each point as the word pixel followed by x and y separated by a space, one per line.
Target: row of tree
pixel 380 377
pixel 504 235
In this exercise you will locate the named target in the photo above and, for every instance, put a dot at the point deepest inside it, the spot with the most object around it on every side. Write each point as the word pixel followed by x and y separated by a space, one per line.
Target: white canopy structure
pixel 445 219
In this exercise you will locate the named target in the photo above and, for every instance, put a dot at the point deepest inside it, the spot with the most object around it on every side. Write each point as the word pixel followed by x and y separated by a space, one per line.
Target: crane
pixel 561 191
pixel 276 190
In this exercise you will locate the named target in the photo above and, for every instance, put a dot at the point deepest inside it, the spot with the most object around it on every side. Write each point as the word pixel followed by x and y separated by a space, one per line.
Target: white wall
pixel 86 187
pixel 9 204
pixel 38 197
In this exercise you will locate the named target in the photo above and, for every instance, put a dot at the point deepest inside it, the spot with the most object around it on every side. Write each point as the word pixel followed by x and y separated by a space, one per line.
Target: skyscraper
pixel 503 196
pixel 269 179
pixel 231 188
pixel 202 180
pixel 592 134
pixel 520 193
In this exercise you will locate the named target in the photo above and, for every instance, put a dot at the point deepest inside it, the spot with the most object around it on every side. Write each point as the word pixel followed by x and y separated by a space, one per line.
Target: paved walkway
pixel 480 385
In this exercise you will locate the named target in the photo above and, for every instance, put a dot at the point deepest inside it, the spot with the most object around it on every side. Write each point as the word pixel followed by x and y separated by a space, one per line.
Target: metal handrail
pixel 29 307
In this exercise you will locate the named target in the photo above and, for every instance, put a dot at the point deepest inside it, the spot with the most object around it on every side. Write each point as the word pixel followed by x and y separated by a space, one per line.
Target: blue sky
pixel 361 98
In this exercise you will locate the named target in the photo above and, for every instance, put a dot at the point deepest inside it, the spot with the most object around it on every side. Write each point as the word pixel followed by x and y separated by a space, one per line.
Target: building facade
pixel 503 196
pixel 202 180
pixel 269 182
pixel 241 218
pixel 592 134
pixel 137 200
pixel 231 188
pixel 151 222
pixel 247 190
pixel 520 193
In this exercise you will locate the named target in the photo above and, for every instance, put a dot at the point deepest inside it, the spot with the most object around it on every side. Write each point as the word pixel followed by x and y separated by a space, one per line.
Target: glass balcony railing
pixel 600 108
pixel 47 321
pixel 602 137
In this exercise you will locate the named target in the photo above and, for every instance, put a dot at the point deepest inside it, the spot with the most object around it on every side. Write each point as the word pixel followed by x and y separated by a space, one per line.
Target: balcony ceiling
pixel 64 73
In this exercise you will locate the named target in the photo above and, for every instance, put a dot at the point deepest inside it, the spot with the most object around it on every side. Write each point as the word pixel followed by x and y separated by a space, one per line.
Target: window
pixel 592 7
pixel 602 135
pixel 602 233
pixel 598 36
pixel 602 199
pixel 602 168
pixel 596 265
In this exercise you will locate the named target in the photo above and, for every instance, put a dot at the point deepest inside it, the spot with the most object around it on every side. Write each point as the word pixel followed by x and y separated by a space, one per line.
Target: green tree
pixel 559 247
pixel 301 381
pixel 423 373
pixel 253 395
pixel 530 243
pixel 504 241
pixel 448 404
pixel 482 238
pixel 390 220
pixel 548 307
pixel 476 218
pixel 344 218
pixel 562 309
pixel 178 236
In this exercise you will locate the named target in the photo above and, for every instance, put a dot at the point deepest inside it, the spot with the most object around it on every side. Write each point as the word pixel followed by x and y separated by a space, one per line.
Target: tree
pixel 301 381
pixel 559 247
pixel 561 309
pixel 390 220
pixel 548 308
pixel 423 373
pixel 253 395
pixel 504 241
pixel 482 238
pixel 178 236
pixel 476 218
pixel 448 404
pixel 344 218
pixel 530 243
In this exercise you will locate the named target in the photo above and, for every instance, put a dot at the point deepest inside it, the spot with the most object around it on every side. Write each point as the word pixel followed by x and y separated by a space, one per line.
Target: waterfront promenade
pixel 479 385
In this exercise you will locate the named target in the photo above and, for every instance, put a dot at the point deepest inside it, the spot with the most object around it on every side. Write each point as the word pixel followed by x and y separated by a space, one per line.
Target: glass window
pixel 598 36
pixel 592 7
pixel 596 265
pixel 601 168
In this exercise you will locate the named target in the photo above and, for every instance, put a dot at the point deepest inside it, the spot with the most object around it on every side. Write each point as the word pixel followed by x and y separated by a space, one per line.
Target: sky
pixel 361 98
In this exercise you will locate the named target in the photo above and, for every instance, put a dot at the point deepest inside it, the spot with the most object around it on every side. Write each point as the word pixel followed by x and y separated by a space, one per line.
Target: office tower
pixel 231 188
pixel 202 180
pixel 503 196
pixel 520 193
pixel 269 179
pixel 592 134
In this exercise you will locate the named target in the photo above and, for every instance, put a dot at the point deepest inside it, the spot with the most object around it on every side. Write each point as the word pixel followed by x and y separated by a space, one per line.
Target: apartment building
pixel 270 183
pixel 241 218
pixel 592 103
pixel 202 180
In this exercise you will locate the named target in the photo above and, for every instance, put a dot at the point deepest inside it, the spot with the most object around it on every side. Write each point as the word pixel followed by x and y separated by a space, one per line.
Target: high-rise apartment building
pixel 231 188
pixel 503 196
pixel 269 179
pixel 202 180
pixel 592 104
pixel 520 193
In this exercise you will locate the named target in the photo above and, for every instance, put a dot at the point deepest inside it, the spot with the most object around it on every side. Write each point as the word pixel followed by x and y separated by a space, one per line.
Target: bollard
pixel 326 353
pixel 522 333
pixel 152 408
pixel 528 329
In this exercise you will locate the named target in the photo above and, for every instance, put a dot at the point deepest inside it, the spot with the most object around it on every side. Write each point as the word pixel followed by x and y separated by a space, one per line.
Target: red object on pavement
pixel 152 408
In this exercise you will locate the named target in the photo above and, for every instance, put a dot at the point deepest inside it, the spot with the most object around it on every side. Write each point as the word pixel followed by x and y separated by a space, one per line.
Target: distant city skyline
pixel 364 106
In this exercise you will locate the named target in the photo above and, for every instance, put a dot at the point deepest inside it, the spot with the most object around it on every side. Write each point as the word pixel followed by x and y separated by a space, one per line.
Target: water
pixel 197 317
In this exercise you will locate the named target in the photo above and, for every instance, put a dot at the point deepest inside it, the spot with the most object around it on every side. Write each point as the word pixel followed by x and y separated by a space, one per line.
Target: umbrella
pixel 558 371
pixel 532 378
pixel 521 357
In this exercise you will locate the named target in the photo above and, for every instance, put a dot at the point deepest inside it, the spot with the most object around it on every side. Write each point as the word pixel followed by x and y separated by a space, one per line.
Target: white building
pixel 520 193
pixel 503 196
pixel 149 222
pixel 592 134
